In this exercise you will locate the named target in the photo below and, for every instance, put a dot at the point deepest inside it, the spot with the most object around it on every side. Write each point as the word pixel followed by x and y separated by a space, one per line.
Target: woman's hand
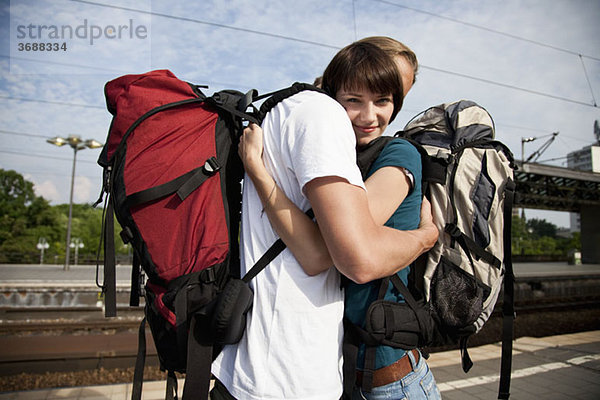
pixel 427 225
pixel 250 148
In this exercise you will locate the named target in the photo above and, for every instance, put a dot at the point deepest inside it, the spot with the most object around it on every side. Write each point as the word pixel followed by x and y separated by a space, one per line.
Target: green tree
pixel 520 236
pixel 539 238
pixel 25 218
pixel 86 224
pixel 541 228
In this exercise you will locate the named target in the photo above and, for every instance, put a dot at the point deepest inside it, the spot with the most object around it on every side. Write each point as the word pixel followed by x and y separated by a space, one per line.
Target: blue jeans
pixel 419 384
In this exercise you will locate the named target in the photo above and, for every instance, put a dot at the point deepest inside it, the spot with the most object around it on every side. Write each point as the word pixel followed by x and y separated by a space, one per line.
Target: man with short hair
pixel 292 344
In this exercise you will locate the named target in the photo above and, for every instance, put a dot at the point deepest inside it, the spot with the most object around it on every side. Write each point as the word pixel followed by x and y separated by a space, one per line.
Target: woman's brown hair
pixel 395 48
pixel 360 66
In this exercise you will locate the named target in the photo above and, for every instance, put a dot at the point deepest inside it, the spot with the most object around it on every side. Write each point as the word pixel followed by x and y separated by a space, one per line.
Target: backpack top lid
pixel 451 125
pixel 131 96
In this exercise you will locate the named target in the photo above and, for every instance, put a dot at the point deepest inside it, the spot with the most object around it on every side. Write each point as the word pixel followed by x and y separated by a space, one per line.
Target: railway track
pixel 55 331
pixel 60 340
pixel 28 321
pixel 15 321
pixel 75 336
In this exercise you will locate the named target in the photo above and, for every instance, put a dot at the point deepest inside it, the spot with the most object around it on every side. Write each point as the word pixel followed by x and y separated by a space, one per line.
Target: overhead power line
pixel 488 81
pixel 485 28
pixel 22 153
pixel 153 13
pixel 61 103
pixel 82 66
pixel 523 128
pixel 337 47
pixel 510 35
pixel 588 79
pixel 32 135
pixel 24 134
pixel 198 21
pixel 513 87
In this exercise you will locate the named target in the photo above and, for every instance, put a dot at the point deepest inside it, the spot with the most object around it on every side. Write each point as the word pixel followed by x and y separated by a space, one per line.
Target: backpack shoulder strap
pixel 275 97
pixel 269 255
pixel 366 155
pixel 508 310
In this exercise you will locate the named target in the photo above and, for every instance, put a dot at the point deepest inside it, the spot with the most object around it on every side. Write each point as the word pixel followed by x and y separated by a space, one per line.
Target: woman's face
pixel 369 112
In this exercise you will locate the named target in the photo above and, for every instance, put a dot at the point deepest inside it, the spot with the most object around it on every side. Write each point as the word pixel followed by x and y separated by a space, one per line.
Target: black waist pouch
pixel 228 312
pixel 399 325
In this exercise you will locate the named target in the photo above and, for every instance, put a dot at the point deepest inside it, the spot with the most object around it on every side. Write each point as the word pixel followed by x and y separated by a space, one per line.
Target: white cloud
pixel 82 189
pixel 236 58
pixel 48 190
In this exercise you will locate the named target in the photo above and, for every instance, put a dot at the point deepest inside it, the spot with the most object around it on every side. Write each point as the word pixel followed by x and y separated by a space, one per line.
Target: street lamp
pixel 523 141
pixel 76 244
pixel 536 154
pixel 76 144
pixel 42 245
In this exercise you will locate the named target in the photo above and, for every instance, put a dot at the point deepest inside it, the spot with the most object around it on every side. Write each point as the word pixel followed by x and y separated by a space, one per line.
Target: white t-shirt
pixel 291 348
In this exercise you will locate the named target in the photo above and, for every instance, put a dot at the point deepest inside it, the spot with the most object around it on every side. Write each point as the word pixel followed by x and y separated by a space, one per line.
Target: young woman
pixel 370 85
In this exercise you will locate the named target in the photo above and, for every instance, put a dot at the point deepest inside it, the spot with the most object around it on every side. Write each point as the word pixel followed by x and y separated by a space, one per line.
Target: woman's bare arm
pixel 386 188
pixel 300 233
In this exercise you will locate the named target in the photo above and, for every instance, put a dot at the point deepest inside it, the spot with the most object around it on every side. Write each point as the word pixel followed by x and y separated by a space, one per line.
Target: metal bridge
pixel 562 189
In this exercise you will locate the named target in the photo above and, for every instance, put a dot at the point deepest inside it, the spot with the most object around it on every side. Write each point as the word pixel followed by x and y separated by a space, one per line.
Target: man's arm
pixel 359 248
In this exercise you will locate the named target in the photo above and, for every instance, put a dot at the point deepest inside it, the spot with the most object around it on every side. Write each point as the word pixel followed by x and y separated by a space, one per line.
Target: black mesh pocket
pixel 456 296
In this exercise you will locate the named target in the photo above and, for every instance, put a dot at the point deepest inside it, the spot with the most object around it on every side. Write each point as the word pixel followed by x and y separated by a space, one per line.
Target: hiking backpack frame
pixel 172 177
pixel 454 287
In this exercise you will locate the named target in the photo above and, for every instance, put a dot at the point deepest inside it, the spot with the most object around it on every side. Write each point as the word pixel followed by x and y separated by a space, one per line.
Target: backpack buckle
pixel 126 235
pixel 216 99
pixel 211 166
pixel 208 275
pixel 453 230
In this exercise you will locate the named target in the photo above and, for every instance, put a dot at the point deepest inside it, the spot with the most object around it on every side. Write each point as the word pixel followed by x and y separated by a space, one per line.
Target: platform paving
pixel 550 368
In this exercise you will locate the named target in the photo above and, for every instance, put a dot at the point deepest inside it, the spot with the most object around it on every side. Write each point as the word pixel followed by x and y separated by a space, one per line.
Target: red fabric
pixel 160 306
pixel 182 237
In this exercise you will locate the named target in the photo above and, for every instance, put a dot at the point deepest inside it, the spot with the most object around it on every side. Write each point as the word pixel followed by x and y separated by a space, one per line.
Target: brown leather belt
pixel 392 373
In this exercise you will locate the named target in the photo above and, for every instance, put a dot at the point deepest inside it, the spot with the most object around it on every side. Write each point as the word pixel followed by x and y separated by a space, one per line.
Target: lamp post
pixel 523 141
pixel 77 244
pixel 536 154
pixel 42 245
pixel 76 144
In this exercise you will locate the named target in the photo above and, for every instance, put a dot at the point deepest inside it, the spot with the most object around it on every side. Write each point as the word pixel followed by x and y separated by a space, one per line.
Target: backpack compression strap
pixel 371 350
pixel 508 309
pixel 270 254
pixel 469 244
pixel 110 271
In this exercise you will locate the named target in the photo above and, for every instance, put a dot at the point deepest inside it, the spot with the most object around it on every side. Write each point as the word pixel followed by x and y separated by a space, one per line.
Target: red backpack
pixel 173 179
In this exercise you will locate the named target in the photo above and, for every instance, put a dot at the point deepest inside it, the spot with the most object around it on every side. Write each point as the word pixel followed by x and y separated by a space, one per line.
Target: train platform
pixel 52 275
pixel 548 368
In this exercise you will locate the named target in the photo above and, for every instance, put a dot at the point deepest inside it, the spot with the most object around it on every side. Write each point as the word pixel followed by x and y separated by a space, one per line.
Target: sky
pixel 533 64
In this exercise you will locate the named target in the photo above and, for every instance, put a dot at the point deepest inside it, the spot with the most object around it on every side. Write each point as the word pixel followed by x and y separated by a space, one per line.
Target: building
pixel 586 159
